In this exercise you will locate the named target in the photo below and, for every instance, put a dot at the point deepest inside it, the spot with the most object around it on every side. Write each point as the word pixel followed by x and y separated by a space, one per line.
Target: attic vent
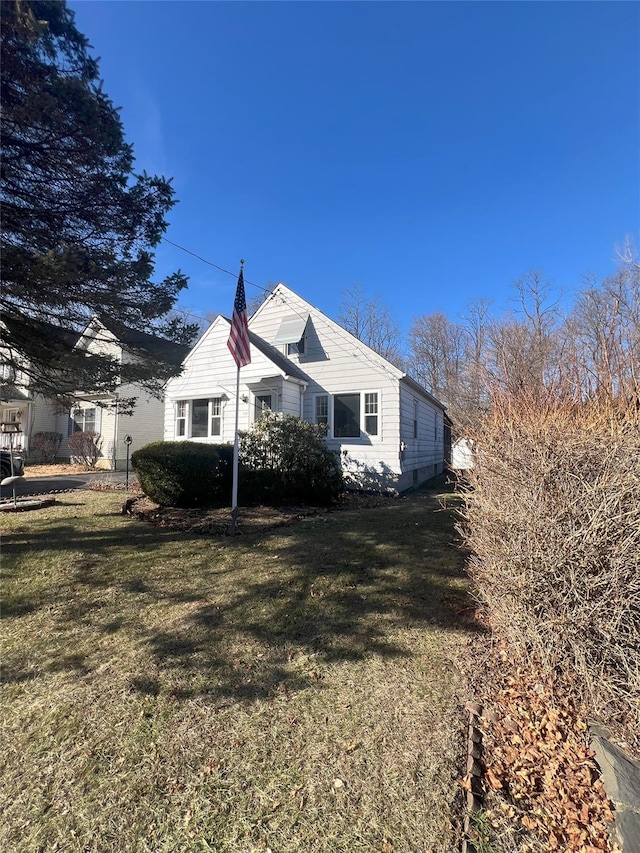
pixel 291 330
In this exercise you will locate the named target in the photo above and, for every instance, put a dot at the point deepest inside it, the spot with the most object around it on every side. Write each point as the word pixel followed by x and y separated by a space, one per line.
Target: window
pixel 296 348
pixel 415 418
pixel 371 414
pixel 82 420
pixel 346 416
pixel 216 416
pixel 353 414
pixel 182 413
pixel 322 410
pixel 262 405
pixel 7 371
pixel 199 418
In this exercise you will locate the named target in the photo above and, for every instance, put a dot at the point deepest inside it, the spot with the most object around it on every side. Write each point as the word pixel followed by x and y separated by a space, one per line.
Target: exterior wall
pixel 335 362
pixel 423 453
pixel 210 372
pixel 104 424
pixel 144 425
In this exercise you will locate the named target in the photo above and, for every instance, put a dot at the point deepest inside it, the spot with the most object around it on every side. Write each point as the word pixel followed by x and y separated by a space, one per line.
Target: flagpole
pixel 240 349
pixel 234 490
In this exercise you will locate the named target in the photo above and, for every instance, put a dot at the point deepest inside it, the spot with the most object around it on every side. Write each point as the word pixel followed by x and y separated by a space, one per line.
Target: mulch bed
pixel 216 521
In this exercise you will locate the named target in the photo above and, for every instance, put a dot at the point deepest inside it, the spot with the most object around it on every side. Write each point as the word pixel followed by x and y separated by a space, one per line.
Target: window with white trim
pixel 201 418
pixel 182 415
pixel 263 403
pixel 371 413
pixel 322 410
pixel 83 420
pixel 216 416
pixel 356 413
pixel 296 348
pixel 346 416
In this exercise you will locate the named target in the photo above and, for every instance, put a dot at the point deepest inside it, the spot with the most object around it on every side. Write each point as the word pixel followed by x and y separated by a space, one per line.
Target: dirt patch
pixel 216 521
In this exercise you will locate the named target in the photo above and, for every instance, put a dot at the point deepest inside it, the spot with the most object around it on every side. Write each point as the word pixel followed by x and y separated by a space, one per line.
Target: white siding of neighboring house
pixel 144 425
pixel 462 455
pixel 96 340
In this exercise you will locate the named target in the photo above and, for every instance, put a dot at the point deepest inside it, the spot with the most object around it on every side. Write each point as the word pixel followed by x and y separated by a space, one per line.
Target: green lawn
pixel 294 691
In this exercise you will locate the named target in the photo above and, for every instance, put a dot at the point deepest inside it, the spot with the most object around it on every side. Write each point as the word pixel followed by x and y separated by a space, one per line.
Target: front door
pixel 262 404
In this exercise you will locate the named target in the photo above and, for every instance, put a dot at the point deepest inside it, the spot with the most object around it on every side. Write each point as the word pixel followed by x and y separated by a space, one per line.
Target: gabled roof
pixel 283 291
pixel 11 394
pixel 274 355
pixel 22 325
pixel 153 345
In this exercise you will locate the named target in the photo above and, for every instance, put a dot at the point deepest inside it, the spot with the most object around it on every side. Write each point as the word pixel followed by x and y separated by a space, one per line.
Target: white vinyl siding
pixel 335 365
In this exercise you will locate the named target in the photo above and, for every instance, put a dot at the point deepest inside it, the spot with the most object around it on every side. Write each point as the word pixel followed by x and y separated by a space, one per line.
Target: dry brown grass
pixel 57 469
pixel 291 691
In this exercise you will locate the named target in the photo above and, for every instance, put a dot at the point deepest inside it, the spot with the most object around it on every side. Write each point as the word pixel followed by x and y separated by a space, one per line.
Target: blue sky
pixel 432 152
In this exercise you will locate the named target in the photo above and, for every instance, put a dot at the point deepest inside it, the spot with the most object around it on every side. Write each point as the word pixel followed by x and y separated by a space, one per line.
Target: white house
pixel 388 430
pixel 105 413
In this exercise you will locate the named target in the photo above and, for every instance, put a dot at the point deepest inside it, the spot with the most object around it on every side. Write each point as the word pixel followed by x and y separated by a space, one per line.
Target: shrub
pixel 553 521
pixel 85 447
pixel 185 473
pixel 47 445
pixel 285 460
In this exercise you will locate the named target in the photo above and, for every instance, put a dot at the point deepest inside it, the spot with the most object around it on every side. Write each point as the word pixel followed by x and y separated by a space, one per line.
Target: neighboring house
pixel 105 413
pixel 22 413
pixel 389 431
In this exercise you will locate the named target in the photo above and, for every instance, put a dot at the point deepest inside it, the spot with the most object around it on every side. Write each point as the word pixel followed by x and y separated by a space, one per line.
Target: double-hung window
pixel 322 410
pixel 371 413
pixel 82 420
pixel 263 403
pixel 182 415
pixel 216 416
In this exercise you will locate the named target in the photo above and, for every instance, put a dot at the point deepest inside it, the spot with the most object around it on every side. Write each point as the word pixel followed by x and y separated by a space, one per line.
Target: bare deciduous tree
pixel 372 323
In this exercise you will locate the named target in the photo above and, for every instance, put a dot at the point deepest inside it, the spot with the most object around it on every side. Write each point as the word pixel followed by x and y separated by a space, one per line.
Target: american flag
pixel 238 342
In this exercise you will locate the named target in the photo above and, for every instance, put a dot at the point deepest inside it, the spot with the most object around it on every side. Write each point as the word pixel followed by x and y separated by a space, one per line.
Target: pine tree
pixel 78 225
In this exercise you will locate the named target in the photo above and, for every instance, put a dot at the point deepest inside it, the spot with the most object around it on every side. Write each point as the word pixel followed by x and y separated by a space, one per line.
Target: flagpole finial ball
pixel 241 260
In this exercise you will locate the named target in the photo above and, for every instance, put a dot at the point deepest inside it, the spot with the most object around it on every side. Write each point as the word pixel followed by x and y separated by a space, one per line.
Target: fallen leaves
pixel 537 754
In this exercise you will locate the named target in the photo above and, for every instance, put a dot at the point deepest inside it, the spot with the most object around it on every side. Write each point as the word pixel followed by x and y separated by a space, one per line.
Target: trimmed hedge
pixel 185 473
